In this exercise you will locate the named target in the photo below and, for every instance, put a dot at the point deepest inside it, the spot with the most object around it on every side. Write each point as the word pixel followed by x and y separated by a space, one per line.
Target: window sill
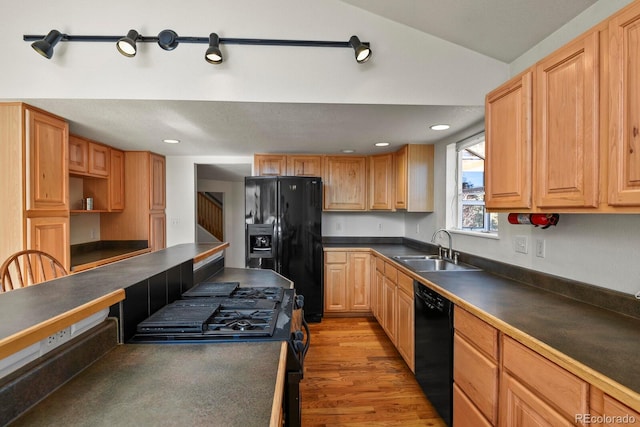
pixel 493 236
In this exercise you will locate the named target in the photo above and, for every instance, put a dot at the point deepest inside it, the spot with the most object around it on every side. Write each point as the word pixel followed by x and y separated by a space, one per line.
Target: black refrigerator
pixel 283 232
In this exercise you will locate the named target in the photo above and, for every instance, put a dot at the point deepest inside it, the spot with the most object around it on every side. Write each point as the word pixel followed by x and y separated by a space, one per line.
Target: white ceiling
pixel 502 29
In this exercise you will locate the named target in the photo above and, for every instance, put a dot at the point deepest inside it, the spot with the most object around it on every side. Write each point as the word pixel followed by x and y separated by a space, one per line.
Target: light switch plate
pixel 521 244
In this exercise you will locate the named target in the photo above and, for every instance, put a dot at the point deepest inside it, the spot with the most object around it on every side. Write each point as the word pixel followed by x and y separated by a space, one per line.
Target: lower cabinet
pixel 536 391
pixel 608 411
pixel 475 370
pixel 51 235
pixel 405 310
pixel 347 282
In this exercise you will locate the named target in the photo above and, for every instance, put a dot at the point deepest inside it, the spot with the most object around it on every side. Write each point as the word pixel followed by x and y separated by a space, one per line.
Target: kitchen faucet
pixel 450 249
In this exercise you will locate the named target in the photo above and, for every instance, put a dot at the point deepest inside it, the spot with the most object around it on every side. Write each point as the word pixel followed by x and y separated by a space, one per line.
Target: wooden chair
pixel 30 267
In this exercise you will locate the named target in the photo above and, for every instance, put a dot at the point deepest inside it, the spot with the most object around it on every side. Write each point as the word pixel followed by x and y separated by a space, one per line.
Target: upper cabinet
pixel 345 180
pixel 561 137
pixel 508 134
pixel 116 180
pixel 269 164
pixel 157 200
pixel 624 125
pixel 381 182
pixel 566 126
pixel 88 158
pixel 304 165
pixel 413 174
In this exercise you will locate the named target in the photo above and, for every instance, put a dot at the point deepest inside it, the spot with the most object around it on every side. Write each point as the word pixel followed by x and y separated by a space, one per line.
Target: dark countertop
pixel 602 342
pixel 28 308
pixel 252 277
pixel 226 384
pixel 94 252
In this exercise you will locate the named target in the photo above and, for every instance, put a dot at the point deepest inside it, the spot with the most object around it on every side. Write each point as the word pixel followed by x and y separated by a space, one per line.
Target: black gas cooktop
pixel 214 311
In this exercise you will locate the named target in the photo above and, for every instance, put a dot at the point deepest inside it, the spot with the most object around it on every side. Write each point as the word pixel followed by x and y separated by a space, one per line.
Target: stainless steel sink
pixel 428 263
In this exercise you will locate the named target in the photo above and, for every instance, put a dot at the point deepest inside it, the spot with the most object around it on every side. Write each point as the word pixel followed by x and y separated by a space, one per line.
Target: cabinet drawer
pixel 405 283
pixel 464 411
pixel 380 265
pixel 335 257
pixel 391 272
pixel 477 376
pixel 480 333
pixel 560 387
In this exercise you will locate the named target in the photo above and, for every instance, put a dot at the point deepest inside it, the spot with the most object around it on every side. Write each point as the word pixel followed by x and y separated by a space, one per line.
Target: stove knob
pixel 298 335
pixel 298 346
pixel 300 301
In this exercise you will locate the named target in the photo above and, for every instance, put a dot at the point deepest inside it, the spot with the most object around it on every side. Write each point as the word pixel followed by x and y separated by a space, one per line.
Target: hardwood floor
pixel 355 377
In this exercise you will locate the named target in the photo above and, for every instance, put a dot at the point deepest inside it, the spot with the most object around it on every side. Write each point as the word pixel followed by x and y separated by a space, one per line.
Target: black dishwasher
pixel 434 348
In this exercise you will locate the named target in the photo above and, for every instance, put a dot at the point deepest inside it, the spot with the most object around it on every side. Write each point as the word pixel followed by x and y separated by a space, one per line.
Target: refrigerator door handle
pixel 277 246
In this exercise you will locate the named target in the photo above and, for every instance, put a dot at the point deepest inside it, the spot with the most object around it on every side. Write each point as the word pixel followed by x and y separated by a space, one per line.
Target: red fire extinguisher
pixel 539 220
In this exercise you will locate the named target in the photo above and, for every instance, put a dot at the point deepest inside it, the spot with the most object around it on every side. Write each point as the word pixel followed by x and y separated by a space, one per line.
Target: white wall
pixel 181 203
pixel 438 75
pixel 233 217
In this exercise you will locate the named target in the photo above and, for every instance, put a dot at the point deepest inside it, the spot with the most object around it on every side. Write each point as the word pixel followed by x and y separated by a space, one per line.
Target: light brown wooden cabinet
pixel 508 147
pixel 304 165
pixel 347 282
pixel 269 164
pixel 381 182
pixel 345 183
pixel 34 176
pixel 567 126
pixel 144 189
pixel 413 178
pixel 612 412
pixel 475 368
pixel 534 389
pixel 624 124
pixel 556 128
pixel 116 181
pixel 88 158
pixel 405 310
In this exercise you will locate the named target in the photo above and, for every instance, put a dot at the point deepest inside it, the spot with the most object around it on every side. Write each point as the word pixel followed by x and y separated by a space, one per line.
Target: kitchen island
pixel 233 383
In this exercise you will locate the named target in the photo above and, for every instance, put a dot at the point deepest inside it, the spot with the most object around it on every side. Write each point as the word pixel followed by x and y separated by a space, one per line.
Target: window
pixel 471 213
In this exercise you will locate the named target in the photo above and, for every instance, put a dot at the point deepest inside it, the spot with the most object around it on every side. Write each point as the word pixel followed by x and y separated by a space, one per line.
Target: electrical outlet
pixel 59 338
pixel 338 226
pixel 521 245
pixel 417 228
pixel 540 247
pixel 379 226
pixel 92 233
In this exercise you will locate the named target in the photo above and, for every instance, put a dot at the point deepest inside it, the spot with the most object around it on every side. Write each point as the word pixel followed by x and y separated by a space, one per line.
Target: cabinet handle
pixel 635 131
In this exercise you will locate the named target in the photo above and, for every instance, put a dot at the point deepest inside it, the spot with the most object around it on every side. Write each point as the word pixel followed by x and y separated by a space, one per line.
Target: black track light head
pixel 362 51
pixel 127 45
pixel 213 54
pixel 45 46
pixel 168 39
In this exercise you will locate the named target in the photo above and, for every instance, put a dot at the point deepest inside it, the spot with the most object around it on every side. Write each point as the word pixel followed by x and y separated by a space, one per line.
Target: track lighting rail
pixel 168 40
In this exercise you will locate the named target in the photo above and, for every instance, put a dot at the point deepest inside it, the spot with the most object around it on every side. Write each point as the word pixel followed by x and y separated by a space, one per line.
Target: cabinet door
pixel 624 124
pixel 157 231
pixel 379 296
pixel 116 180
pixel 157 182
pixel 51 235
pixel 400 173
pixel 508 133
pixel 519 407
pixel 465 413
pixel 303 165
pixel 78 155
pixel 345 183
pixel 270 164
pixel 567 123
pixel 358 282
pixel 405 328
pixel 47 151
pixel 381 182
pixel 389 308
pixel 335 287
pixel 98 159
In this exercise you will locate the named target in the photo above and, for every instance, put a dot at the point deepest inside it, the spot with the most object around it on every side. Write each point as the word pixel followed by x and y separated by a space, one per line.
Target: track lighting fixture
pixel 213 54
pixel 45 46
pixel 363 52
pixel 127 45
pixel 169 40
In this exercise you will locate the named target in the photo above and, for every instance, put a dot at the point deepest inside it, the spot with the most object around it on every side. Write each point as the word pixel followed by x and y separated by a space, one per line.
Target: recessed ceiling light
pixel 348 150
pixel 439 127
pixel 381 144
pixel 171 141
